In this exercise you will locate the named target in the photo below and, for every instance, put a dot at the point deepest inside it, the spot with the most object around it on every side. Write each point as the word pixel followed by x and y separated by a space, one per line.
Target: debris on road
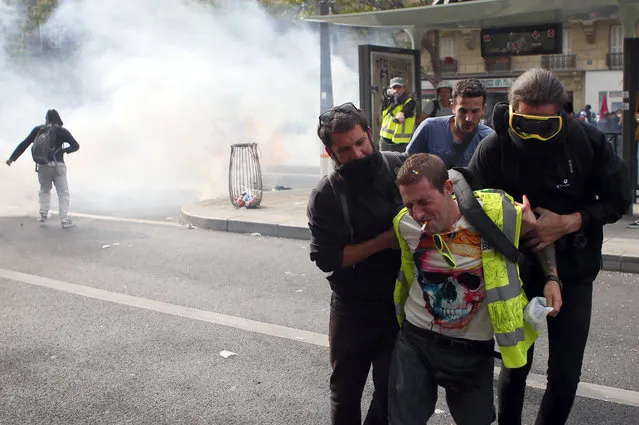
pixel 247 200
pixel 299 290
pixel 255 234
pixel 106 246
pixel 438 411
pixel 226 354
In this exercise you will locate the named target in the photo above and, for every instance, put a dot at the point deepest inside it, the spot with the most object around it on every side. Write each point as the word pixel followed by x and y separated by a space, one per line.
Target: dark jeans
pixel 567 337
pixel 393 147
pixel 360 335
pixel 422 361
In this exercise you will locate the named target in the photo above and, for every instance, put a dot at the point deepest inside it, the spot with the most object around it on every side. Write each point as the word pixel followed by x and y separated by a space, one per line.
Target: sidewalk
pixel 283 214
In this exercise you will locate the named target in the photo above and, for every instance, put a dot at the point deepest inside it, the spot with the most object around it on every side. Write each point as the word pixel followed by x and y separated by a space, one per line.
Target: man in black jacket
pixel 350 216
pixel 52 170
pixel 576 185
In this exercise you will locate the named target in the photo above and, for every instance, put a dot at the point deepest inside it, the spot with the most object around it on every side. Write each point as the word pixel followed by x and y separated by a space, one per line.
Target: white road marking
pixel 167 308
pixel 125 220
pixel 594 391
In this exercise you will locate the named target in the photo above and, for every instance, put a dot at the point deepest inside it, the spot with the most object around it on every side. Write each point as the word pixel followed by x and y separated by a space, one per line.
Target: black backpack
pixel 45 146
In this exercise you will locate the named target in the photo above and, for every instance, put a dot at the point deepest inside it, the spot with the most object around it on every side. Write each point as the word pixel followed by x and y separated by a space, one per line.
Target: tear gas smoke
pixel 155 91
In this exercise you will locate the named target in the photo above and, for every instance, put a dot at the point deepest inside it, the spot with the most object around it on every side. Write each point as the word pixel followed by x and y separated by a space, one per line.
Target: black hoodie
pixel 580 173
pixel 62 136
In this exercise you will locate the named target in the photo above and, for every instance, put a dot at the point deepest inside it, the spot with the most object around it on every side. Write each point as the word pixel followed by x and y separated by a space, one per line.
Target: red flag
pixel 604 106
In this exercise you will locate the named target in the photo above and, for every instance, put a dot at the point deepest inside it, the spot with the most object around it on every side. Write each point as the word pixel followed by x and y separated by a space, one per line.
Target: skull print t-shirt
pixel 450 301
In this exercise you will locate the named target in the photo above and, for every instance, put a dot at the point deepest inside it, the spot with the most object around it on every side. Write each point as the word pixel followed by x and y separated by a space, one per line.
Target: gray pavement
pixel 283 214
pixel 132 333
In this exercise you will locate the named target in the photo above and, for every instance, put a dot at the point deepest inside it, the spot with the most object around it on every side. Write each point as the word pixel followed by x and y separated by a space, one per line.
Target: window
pixel 446 47
pixel 567 41
pixel 616 39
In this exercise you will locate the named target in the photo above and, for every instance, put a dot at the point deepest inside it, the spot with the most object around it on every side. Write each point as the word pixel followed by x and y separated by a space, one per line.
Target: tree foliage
pixel 429 40
pixel 38 11
pixel 312 7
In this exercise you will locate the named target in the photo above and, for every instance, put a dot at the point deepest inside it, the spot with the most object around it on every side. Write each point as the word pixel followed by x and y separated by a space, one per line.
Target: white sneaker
pixel 67 223
pixel 42 219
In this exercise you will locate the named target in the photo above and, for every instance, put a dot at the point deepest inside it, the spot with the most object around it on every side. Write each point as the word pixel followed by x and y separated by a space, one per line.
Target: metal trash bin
pixel 245 176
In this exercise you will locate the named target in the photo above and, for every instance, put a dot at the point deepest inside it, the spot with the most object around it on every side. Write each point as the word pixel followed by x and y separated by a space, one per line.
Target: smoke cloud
pixel 155 92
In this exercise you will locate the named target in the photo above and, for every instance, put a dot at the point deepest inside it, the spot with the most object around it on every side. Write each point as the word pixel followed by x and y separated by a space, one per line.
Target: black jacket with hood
pixel 62 135
pixel 373 202
pixel 579 172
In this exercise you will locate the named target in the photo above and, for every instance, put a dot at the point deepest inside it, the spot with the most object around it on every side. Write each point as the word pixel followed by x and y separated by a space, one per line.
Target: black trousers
pixel 424 360
pixel 567 337
pixel 360 335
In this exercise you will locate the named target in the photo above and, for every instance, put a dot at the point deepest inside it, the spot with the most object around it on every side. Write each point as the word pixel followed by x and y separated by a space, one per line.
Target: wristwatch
pixel 555 278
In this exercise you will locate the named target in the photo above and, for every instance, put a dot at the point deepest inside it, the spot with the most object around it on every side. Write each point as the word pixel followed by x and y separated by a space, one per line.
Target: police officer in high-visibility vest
pixel 398 117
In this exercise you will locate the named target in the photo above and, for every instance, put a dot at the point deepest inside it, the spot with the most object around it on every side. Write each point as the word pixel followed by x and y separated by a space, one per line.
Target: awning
pixel 482 14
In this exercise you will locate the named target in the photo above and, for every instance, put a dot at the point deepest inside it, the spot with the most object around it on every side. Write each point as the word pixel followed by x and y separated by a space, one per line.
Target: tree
pixel 38 12
pixel 429 40
pixel 430 43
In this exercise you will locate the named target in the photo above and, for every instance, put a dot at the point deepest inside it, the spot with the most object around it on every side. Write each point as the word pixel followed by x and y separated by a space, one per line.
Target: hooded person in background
pixel 48 153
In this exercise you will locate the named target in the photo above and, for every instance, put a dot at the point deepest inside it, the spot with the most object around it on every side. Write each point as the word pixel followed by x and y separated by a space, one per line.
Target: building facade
pixel 590 66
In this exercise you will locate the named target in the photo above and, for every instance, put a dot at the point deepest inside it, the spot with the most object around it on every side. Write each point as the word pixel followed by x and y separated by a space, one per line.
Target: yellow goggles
pixel 537 127
pixel 444 250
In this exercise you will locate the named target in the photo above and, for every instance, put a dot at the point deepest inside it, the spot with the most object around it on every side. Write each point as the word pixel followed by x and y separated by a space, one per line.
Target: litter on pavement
pixel 226 354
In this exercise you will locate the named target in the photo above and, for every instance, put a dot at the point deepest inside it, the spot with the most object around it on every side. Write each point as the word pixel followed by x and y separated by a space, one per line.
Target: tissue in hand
pixel 536 311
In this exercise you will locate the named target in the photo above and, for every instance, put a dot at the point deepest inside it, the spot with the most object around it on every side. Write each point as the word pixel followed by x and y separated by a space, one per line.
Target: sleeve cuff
pixel 585 219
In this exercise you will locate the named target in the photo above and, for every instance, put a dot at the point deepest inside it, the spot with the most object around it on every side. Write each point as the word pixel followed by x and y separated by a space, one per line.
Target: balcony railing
pixel 497 64
pixel 559 62
pixel 614 60
pixel 448 65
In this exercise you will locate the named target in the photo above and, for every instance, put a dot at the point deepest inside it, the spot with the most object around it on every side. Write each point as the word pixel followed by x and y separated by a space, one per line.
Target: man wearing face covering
pixel 350 215
pixel 576 185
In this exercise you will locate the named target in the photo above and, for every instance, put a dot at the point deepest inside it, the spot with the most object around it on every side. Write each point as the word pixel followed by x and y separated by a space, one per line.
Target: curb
pixel 610 262
pixel 620 263
pixel 240 226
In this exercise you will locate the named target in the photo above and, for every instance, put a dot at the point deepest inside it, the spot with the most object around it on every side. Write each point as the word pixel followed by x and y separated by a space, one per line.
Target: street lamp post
pixel 326 80
pixel 630 16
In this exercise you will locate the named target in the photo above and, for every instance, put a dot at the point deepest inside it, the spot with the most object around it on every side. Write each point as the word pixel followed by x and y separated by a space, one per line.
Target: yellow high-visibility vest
pixel 506 298
pixel 396 132
pixel 388 126
pixel 404 131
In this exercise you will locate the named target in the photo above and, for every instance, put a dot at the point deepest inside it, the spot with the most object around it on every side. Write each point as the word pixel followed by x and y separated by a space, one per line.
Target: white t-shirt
pixel 448 301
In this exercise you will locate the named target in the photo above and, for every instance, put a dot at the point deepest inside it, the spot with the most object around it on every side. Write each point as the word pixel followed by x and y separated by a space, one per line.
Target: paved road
pixel 132 333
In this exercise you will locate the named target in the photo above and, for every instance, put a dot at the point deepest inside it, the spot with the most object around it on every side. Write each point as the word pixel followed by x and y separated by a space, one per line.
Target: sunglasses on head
pixel 537 127
pixel 328 116
pixel 444 250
